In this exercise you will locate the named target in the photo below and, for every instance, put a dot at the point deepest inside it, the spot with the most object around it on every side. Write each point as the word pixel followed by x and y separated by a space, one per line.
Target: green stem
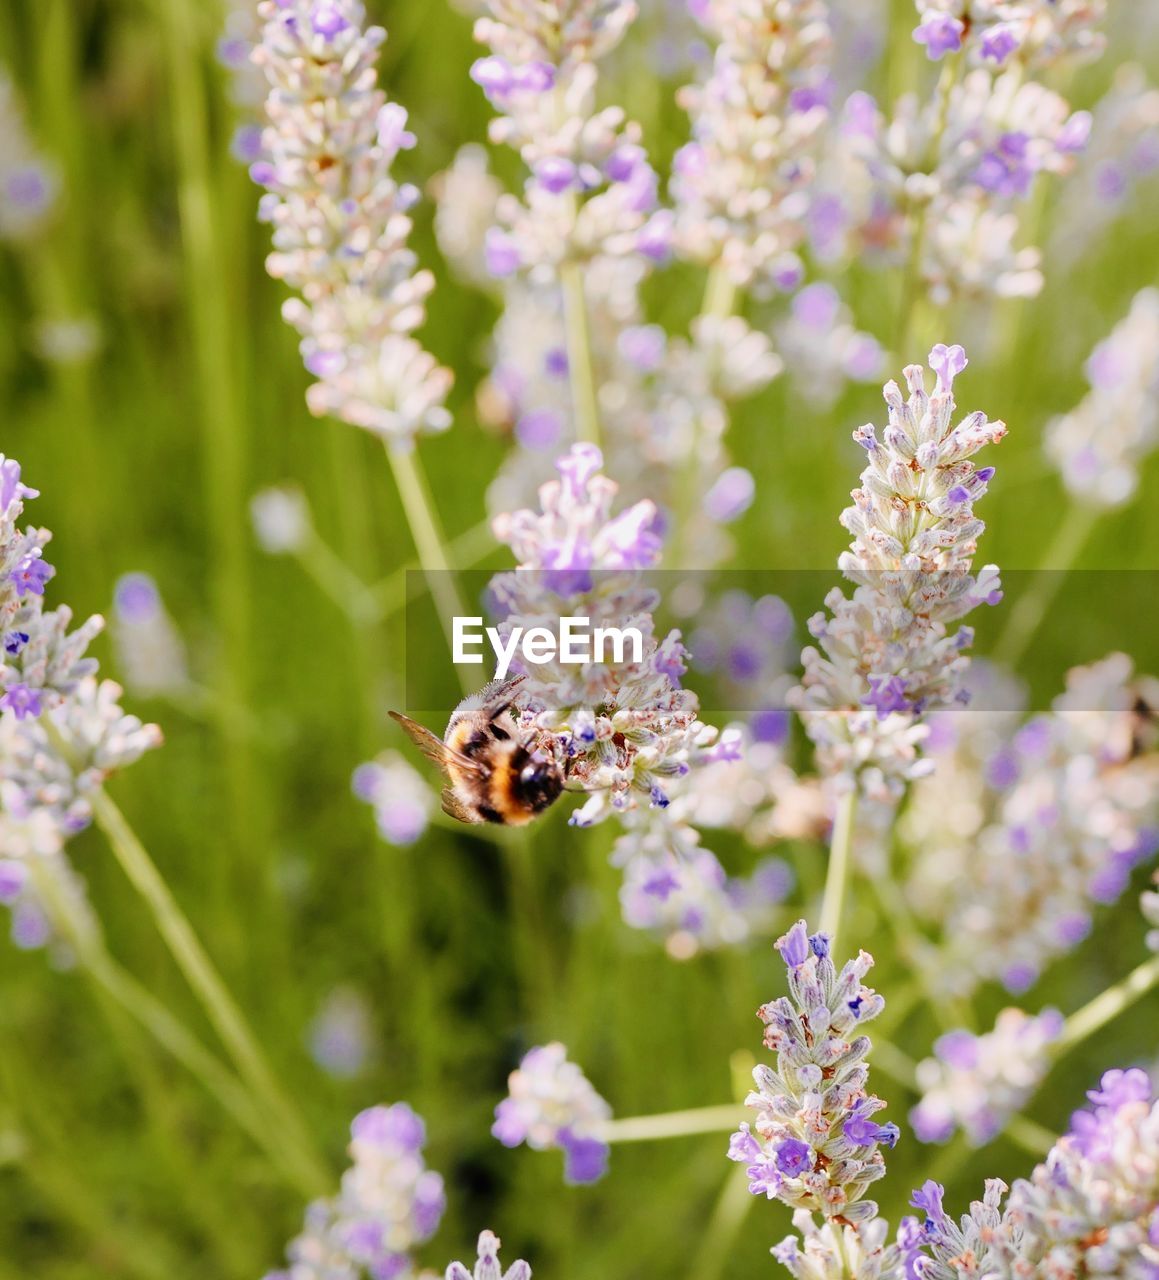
pixel 721 296
pixel 1030 609
pixel 728 1215
pixel 392 593
pixel 912 278
pixel 167 1030
pixel 581 371
pixel 674 1124
pixel 1105 1007
pixel 208 269
pixel 339 583
pixel 205 981
pixel 428 538
pixel 837 876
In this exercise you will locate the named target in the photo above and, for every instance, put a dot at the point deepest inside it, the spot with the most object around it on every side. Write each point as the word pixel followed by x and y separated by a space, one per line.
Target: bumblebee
pixel 493 772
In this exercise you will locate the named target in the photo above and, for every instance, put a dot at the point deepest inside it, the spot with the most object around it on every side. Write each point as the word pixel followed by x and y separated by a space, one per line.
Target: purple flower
pixel 1007 170
pixel 660 884
pixel 11 488
pixel 742 1146
pixel 731 495
pixel 999 42
pixel 817 307
pixel 643 346
pixel 770 725
pixel 794 1157
pixel 12 877
pixel 654 240
pixel 29 187
pixel 585 1159
pixel 863 1132
pixel 947 363
pixel 327 21
pixel 941 33
pixel 136 598
pixel 794 945
pixel 501 253
pixel 30 575
pixel 14 641
pixel 396 1127
pixel 556 174
pixel 539 429
pixel 929 1200
pixel 958 1049
pixel 22 701
pixel 493 76
pixel 887 694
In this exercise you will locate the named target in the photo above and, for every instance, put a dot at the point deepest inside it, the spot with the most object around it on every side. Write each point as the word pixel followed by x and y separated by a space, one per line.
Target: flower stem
pixel 1030 609
pixel 728 1215
pixel 1106 1006
pixel 205 981
pixel 720 301
pixel 581 372
pixel 429 542
pixel 837 877
pixel 84 939
pixel 674 1124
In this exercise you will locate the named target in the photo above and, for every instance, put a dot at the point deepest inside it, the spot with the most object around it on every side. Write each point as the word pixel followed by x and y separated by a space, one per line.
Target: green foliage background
pixel 113 1162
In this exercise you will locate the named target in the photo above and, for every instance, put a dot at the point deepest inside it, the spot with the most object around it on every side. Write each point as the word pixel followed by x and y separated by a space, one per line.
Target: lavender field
pixel 806 923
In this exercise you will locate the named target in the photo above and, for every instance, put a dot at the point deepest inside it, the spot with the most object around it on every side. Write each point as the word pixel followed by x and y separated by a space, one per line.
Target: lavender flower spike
pixel 1090 1209
pixel 388 1204
pixel 488 1267
pixel 550 1104
pixel 340 223
pixel 977 1082
pixel 741 185
pixel 886 656
pixel 1099 446
pixel 814 1143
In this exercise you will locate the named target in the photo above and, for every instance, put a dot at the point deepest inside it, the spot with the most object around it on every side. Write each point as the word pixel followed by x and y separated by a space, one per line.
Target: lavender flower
pixel 1034 33
pixel 1121 157
pixel 814 1143
pixel 944 182
pixel 339 1036
pixel 551 1104
pixel 388 1204
pixel 150 652
pixel 675 888
pixel 1025 833
pixel 1089 1209
pixel 592 191
pixel 977 1082
pixel 402 800
pixel 29 184
pixel 887 656
pixel 61 732
pixel 1099 445
pixel 247 85
pixel 628 728
pixel 340 223
pixel 488 1266
pixel 741 186
pixel 823 349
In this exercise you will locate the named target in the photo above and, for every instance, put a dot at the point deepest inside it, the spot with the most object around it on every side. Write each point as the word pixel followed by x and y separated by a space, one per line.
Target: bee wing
pixel 455 808
pixel 433 747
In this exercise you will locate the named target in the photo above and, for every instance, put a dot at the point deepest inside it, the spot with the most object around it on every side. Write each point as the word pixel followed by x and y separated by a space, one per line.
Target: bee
pixel 494 774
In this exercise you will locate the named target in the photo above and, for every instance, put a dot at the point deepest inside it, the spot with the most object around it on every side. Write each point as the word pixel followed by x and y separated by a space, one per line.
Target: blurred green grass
pixel 112 1162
